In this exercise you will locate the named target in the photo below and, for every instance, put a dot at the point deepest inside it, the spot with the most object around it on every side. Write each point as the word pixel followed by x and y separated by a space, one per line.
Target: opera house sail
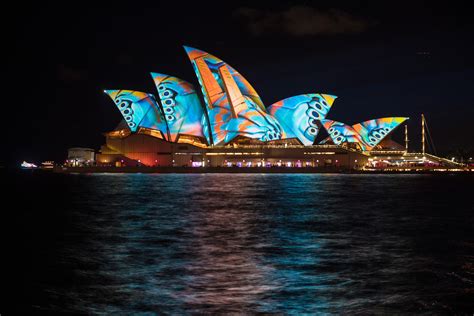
pixel 181 107
pixel 232 104
pixel 299 115
pixel 365 134
pixel 228 110
pixel 139 110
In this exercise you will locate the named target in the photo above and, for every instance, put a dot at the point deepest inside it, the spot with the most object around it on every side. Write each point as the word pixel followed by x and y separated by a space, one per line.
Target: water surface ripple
pixel 257 243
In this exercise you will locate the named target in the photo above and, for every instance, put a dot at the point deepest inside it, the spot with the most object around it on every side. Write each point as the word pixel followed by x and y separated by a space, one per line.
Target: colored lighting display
pixel 342 133
pixel 367 134
pixel 139 109
pixel 373 131
pixel 181 106
pixel 299 115
pixel 233 108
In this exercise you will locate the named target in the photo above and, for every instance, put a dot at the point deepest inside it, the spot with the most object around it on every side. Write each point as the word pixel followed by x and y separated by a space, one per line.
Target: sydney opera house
pixel 231 126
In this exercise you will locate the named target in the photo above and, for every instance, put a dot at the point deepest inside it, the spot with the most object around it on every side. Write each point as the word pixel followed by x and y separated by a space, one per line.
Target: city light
pixel 28 165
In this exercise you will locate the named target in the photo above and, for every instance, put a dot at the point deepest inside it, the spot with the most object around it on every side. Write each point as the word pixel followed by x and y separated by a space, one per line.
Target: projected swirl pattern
pixel 232 108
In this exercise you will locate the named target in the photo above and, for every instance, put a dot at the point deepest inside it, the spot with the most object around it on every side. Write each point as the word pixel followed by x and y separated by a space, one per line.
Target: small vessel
pixel 28 165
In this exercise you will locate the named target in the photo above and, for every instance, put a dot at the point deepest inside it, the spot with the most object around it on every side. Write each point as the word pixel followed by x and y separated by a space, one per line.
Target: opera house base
pixel 256 170
pixel 96 169
pixel 139 150
pixel 141 153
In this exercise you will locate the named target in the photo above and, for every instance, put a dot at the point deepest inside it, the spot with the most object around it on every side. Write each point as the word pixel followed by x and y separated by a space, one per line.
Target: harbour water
pixel 244 243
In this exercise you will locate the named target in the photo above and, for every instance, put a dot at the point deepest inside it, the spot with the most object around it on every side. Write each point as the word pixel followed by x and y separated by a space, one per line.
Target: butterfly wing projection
pixel 139 109
pixel 298 115
pixel 342 133
pixel 181 106
pixel 233 106
pixel 373 131
pixel 244 86
pixel 254 123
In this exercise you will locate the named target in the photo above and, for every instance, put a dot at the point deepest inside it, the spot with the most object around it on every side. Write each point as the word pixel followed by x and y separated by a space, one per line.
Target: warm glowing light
pixel 320 153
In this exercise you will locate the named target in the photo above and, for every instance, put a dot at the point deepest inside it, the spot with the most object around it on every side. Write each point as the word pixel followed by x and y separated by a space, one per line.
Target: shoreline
pixel 250 170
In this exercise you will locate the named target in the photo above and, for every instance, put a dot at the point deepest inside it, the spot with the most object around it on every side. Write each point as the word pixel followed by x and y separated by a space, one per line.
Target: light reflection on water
pixel 263 243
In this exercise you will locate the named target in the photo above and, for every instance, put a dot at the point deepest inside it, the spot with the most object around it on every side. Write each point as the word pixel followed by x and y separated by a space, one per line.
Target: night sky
pixel 380 59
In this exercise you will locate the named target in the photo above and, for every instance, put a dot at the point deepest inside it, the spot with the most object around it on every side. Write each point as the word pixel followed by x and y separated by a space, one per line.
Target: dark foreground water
pixel 220 243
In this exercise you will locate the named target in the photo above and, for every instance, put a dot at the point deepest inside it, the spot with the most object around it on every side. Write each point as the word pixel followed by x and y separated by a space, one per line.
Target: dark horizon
pixel 379 60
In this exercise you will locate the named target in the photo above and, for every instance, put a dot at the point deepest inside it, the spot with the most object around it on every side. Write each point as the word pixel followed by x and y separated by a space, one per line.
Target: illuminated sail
pixel 342 133
pixel 233 106
pixel 244 86
pixel 139 109
pixel 181 106
pixel 373 131
pixel 299 115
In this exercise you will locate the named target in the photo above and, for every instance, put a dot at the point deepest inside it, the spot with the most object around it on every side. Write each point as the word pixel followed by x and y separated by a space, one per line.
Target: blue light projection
pixel 299 115
pixel 181 106
pixel 233 108
pixel 139 109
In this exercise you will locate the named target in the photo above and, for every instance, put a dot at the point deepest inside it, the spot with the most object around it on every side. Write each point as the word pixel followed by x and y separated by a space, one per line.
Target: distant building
pixel 80 157
pixel 47 165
